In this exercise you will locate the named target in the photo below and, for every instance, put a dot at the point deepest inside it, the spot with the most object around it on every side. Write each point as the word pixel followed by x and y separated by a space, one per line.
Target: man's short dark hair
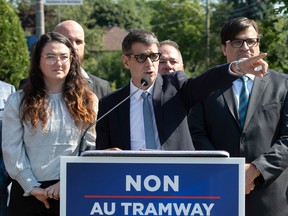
pixel 138 36
pixel 234 26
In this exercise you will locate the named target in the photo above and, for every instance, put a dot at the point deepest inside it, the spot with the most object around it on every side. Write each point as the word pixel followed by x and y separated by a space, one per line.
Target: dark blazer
pixel 99 86
pixel 173 96
pixel 264 141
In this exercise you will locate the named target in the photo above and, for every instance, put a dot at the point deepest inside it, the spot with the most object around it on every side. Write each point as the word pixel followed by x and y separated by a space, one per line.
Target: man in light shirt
pixel 260 135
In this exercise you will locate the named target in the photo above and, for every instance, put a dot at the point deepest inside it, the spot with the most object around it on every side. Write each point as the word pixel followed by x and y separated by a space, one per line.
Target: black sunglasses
pixel 237 43
pixel 141 58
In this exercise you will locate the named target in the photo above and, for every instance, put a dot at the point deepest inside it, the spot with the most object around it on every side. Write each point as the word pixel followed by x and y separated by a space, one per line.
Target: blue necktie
pixel 148 122
pixel 243 101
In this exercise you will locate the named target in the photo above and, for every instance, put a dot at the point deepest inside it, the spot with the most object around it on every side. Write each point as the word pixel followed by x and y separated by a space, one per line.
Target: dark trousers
pixel 30 206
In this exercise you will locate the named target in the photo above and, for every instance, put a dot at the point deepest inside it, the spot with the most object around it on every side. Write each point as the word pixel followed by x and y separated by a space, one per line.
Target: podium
pixel 152 183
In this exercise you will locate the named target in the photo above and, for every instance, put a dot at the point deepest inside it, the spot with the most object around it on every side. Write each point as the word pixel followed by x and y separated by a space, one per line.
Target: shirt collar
pixel 84 73
pixel 251 78
pixel 137 95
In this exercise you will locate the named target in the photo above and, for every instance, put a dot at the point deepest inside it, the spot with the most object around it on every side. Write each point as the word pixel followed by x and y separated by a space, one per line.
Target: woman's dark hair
pixel 80 101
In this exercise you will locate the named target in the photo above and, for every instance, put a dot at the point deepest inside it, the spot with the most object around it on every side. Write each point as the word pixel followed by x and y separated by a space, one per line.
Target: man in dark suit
pixel 171 97
pixel 263 139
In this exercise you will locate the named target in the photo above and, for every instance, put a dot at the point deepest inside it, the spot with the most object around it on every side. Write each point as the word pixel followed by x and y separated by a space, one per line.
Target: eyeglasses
pixel 52 59
pixel 141 58
pixel 237 43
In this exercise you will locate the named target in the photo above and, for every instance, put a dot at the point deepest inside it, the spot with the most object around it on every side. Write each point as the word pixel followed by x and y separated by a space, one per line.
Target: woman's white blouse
pixel 34 156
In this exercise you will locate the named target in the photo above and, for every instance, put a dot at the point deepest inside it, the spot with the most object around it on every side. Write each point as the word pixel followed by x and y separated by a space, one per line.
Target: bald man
pixel 75 33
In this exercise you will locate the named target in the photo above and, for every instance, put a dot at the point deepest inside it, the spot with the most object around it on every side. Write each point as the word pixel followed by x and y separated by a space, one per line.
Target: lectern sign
pixel 63 2
pixel 152 186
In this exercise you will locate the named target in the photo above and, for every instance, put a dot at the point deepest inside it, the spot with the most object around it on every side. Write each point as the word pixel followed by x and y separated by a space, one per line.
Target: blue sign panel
pixel 152 188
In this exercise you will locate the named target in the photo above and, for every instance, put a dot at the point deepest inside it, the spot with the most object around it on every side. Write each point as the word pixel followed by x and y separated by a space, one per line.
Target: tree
pixel 219 16
pixel 14 55
pixel 126 14
pixel 253 9
pixel 26 11
pixel 111 63
pixel 282 6
pixel 184 23
pixel 274 39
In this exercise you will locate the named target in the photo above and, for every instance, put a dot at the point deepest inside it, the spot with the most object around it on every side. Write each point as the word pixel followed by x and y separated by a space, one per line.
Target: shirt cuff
pixel 232 72
pixel 27 181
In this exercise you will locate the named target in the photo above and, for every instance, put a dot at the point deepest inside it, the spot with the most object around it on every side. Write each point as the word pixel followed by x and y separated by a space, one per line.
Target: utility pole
pixel 40 27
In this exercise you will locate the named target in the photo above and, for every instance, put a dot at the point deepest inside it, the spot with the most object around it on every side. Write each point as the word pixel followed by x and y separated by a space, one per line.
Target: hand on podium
pixel 113 149
pixel 251 173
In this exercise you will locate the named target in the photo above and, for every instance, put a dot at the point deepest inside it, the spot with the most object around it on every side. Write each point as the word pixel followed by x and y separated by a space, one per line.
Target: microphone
pixel 145 81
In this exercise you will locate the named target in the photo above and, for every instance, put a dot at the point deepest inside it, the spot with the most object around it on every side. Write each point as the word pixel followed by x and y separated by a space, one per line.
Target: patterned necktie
pixel 243 100
pixel 148 122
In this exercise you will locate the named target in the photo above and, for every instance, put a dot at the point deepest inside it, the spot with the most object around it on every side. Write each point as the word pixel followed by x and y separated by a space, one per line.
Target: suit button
pixel 243 139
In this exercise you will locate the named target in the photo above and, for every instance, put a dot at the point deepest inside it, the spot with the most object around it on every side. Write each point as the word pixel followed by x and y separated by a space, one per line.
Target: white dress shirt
pixel 34 156
pixel 137 131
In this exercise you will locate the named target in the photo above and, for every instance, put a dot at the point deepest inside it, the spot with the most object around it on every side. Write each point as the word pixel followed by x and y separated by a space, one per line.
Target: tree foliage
pixel 186 23
pixel 183 21
pixel 100 15
pixel 105 14
pixel 14 64
pixel 274 39
pixel 219 16
pixel 249 8
pixel 111 63
pixel 81 14
pixel 125 14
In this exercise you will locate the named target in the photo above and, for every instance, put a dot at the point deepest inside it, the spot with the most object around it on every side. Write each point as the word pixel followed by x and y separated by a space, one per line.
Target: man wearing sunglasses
pixel 169 97
pixel 256 129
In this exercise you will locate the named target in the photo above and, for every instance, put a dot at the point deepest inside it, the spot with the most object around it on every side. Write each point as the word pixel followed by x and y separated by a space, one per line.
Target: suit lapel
pixel 124 118
pixel 90 84
pixel 229 97
pixel 259 87
pixel 157 104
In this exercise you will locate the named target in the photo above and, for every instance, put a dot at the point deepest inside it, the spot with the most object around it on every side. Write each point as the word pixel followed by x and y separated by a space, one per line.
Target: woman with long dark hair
pixel 44 121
